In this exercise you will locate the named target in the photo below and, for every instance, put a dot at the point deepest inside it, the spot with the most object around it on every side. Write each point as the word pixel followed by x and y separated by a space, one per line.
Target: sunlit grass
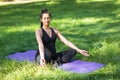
pixel 90 24
pixel 78 1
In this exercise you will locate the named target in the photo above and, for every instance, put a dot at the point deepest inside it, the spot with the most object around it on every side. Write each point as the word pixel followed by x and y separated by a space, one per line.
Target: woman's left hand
pixel 84 52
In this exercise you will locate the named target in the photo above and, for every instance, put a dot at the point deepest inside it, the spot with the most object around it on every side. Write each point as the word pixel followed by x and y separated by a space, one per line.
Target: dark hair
pixel 41 14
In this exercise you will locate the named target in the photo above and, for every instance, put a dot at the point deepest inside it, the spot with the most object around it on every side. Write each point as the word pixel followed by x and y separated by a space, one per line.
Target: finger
pixel 87 54
pixel 44 61
pixel 86 51
pixel 42 65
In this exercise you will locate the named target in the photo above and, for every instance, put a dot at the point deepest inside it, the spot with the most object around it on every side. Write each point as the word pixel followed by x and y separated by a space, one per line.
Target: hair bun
pixel 44 10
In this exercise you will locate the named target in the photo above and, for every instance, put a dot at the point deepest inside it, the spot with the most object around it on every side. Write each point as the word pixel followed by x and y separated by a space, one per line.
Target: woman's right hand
pixel 42 62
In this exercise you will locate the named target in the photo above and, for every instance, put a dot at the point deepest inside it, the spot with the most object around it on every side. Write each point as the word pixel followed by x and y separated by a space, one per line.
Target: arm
pixel 70 44
pixel 40 46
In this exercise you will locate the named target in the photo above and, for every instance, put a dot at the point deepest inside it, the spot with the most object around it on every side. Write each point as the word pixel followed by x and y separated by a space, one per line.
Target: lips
pixel 47 23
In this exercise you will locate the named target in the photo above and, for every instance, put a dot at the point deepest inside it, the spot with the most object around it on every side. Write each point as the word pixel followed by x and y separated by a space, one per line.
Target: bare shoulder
pixel 39 32
pixel 55 30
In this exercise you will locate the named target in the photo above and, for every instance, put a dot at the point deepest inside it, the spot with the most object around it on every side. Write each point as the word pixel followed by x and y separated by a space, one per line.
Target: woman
pixel 46 37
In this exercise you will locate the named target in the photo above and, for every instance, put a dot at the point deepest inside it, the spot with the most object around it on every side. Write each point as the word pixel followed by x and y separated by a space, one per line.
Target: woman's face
pixel 45 19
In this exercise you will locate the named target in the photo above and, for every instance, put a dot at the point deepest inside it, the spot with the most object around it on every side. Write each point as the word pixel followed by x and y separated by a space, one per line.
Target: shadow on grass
pixel 23 14
pixel 17 42
pixel 27 14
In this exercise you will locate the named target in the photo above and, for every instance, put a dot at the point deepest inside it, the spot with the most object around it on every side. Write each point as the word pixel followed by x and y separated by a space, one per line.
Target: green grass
pixel 5 0
pixel 90 24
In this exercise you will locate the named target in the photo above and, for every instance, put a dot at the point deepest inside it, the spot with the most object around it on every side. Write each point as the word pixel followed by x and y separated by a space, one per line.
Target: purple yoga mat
pixel 79 66
pixel 75 66
pixel 22 56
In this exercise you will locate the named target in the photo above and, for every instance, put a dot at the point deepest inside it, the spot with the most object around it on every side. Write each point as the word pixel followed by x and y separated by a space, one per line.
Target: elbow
pixel 41 46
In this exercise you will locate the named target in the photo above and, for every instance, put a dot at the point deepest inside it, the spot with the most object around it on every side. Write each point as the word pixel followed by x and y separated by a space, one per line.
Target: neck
pixel 46 27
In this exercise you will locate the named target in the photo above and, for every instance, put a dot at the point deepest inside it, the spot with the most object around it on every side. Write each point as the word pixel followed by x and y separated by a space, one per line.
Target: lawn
pixel 93 25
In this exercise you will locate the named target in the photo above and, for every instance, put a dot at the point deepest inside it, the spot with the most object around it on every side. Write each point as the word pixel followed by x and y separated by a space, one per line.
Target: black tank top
pixel 49 43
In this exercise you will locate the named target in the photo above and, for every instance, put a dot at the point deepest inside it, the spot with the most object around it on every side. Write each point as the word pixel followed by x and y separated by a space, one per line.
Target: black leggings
pixel 63 56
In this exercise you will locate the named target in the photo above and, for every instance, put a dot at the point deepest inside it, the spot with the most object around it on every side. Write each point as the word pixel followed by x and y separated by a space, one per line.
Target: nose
pixel 47 20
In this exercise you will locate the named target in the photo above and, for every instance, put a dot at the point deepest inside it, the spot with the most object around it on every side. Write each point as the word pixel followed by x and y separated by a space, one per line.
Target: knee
pixel 73 51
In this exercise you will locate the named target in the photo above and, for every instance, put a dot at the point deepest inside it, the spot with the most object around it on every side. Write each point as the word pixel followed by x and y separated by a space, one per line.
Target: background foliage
pixel 93 25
